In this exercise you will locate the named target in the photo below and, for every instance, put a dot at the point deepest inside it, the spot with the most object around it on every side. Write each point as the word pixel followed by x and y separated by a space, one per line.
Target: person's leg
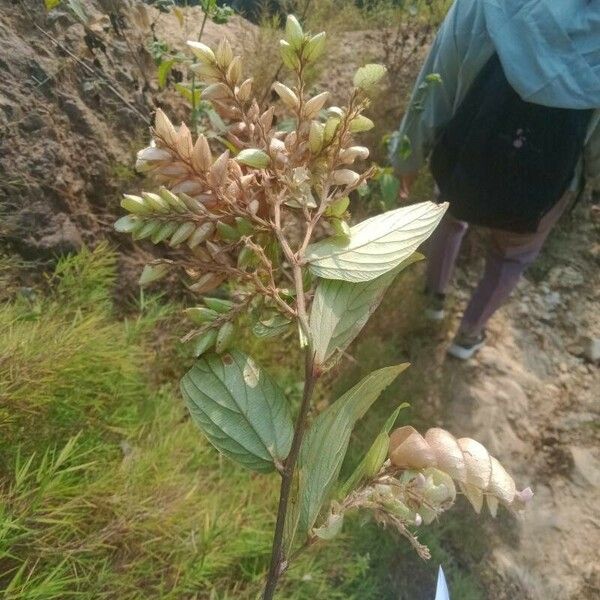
pixel 503 268
pixel 509 255
pixel 442 252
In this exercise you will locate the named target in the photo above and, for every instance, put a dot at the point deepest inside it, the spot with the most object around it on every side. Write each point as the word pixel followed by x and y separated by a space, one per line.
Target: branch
pixel 278 562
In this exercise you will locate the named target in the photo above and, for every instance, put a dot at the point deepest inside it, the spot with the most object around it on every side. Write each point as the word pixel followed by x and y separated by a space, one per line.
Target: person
pixel 507 105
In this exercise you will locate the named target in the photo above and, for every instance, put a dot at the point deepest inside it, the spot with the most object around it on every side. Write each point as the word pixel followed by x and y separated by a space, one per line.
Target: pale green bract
pixel 326 442
pixel 240 409
pixel 367 77
pixel 376 245
pixel 374 458
pixel 341 309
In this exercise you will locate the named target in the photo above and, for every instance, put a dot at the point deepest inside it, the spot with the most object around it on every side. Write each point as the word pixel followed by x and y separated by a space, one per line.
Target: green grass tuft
pixel 108 490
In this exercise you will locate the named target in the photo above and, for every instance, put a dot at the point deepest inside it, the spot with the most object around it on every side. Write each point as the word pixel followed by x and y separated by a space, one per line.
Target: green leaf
pixel 341 309
pixel 77 8
pixel 50 4
pixel 271 326
pixel 152 273
pixel 405 148
pixel 192 97
pixel 433 78
pixel 163 72
pixel 326 442
pixel 389 186
pixel 240 409
pixel 374 458
pixel 377 245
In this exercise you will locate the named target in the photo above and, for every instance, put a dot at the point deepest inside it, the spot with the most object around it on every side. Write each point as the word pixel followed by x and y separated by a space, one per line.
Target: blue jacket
pixel 550 52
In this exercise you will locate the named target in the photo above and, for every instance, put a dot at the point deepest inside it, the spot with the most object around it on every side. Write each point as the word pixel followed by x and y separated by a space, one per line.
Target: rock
pixel 31 122
pixel 586 467
pixel 591 349
pixel 65 238
pixel 76 112
pixel 551 300
pixel 566 277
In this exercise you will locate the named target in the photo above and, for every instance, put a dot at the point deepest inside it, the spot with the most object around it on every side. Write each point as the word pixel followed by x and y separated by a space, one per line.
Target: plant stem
pixel 277 554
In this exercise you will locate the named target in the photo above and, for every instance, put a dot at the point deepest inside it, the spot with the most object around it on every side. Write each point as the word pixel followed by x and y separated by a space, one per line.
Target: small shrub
pixel 253 220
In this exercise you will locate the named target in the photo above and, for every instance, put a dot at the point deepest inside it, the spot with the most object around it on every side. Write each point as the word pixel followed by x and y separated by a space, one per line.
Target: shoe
pixel 465 346
pixel 434 310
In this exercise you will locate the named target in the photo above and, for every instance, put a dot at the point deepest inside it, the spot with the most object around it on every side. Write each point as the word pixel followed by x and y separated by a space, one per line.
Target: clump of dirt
pixel 73 113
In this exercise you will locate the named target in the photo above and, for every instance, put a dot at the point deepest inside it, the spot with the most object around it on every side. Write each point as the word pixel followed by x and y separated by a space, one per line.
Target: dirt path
pixel 533 398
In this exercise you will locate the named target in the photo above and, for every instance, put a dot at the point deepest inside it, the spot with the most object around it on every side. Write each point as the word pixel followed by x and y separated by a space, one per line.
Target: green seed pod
pixel 224 53
pixel 227 232
pixel 253 158
pixel 360 124
pixel 340 227
pixel 192 205
pixel 182 233
pixel 205 342
pixel 338 208
pixel 149 228
pixel 287 95
pixel 314 47
pixel 314 105
pixel 134 204
pixel 165 231
pixel 224 337
pixel 172 200
pixel 155 202
pixel 199 315
pixel 152 273
pixel 202 52
pixel 293 32
pixel 289 56
pixel 127 224
pixel 331 127
pixel 367 77
pixel 335 111
pixel 244 226
pixel 201 234
pixel 316 136
pixel 219 304
pixel 246 258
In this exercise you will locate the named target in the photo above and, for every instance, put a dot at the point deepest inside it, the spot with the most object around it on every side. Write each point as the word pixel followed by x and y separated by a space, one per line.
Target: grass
pixel 107 490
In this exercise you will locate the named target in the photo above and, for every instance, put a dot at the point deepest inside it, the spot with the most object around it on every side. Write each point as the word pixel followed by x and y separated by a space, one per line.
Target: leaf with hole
pixel 240 409
pixel 376 245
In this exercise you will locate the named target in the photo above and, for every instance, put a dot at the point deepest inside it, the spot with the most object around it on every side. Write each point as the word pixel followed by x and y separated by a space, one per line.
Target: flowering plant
pixel 248 217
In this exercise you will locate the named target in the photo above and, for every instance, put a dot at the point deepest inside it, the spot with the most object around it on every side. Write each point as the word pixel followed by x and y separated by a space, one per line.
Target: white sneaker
pixel 434 309
pixel 465 346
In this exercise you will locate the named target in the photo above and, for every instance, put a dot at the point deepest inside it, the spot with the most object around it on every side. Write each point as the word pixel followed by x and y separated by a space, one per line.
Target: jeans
pixel 508 255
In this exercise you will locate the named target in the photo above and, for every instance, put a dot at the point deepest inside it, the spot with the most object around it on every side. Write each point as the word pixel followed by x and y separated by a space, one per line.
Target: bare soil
pixel 532 397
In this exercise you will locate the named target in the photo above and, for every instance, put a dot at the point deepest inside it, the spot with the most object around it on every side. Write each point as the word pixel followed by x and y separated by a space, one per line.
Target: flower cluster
pixel 226 211
pixel 479 475
pixel 417 482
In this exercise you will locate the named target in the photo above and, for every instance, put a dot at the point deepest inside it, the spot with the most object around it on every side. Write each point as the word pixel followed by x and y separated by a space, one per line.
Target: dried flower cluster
pixel 465 460
pixel 417 482
pixel 230 209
